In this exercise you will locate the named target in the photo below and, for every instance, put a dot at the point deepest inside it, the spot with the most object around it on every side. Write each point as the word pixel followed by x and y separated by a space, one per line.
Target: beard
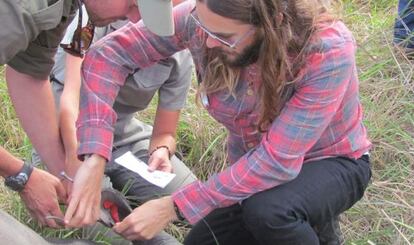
pixel 247 56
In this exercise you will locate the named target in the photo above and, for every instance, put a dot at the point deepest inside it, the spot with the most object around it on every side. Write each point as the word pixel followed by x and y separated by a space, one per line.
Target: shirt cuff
pixel 95 140
pixel 193 202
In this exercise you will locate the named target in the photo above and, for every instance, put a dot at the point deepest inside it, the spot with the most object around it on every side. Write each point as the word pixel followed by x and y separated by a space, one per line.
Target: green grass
pixel 386 214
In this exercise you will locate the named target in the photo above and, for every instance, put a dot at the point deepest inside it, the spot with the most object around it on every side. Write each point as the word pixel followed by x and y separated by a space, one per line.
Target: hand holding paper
pixel 158 178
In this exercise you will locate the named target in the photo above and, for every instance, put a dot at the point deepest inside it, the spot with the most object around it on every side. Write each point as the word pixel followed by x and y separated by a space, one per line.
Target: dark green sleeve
pixel 38 59
pixel 32 35
pixel 17 30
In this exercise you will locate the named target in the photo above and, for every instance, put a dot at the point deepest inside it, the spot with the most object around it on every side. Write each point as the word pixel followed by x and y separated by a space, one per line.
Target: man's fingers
pixel 86 218
pixel 97 213
pixel 133 236
pixel 153 165
pixel 79 215
pixel 73 204
pixel 160 164
pixel 86 214
pixel 168 168
pixel 90 215
pixel 130 234
pixel 61 193
pixel 38 216
pixel 126 231
pixel 40 213
pixel 41 218
pixel 121 227
pixel 85 196
pixel 49 222
pixel 58 220
pixel 55 212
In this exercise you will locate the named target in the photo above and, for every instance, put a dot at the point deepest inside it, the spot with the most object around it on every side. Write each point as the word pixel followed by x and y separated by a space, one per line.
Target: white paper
pixel 134 164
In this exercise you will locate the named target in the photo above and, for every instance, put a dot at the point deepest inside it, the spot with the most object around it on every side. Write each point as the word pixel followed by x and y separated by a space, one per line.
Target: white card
pixel 134 164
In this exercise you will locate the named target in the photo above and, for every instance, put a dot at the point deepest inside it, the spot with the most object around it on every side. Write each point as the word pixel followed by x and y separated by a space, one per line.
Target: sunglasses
pixel 221 40
pixel 82 37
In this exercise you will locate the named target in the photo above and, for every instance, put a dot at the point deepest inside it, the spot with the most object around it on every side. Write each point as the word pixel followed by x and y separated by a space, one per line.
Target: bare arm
pixel 33 101
pixel 68 112
pixel 164 132
pixel 42 191
pixel 9 165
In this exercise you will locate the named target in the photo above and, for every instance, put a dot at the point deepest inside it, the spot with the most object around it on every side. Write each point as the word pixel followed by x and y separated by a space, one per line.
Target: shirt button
pixel 250 92
pixel 250 145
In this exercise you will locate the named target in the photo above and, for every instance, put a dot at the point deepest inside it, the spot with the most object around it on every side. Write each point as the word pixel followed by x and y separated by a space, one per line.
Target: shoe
pixel 330 233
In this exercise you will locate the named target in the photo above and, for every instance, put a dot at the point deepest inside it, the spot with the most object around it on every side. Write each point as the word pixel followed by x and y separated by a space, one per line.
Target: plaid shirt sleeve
pixel 280 155
pixel 105 69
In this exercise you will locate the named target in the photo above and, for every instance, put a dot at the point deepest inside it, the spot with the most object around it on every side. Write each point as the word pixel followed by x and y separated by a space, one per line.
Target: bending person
pixel 31 32
pixel 281 77
pixel 170 78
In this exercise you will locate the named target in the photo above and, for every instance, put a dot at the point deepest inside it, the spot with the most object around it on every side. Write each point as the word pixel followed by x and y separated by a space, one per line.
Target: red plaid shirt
pixel 322 119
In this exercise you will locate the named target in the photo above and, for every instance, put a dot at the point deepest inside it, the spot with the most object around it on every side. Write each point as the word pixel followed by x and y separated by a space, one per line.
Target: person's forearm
pixel 69 105
pixel 164 132
pixel 167 140
pixel 33 101
pixel 67 128
pixel 9 164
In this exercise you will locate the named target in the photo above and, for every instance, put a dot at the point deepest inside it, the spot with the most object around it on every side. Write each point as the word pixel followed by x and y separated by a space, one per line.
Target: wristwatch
pixel 17 182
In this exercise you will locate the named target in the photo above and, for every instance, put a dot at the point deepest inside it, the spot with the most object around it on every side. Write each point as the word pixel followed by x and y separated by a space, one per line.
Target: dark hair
pixel 284 26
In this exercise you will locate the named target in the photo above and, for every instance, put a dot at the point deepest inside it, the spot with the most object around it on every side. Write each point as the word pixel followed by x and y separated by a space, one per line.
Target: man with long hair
pixel 280 75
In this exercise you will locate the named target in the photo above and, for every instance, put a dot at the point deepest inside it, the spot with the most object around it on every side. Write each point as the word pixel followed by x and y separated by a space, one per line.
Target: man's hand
pixel 72 164
pixel 41 195
pixel 160 160
pixel 147 220
pixel 84 201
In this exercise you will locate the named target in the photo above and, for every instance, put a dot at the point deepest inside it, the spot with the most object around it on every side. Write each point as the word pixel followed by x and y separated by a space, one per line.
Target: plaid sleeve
pixel 105 69
pixel 280 155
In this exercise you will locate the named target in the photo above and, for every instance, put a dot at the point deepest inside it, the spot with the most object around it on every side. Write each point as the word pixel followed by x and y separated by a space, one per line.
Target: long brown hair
pixel 285 27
